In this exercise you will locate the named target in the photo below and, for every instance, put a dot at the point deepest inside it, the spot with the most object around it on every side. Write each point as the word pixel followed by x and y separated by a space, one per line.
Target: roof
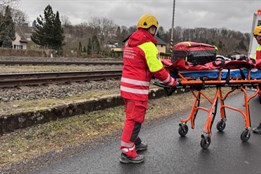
pixel 21 34
pixel 159 40
pixel 24 31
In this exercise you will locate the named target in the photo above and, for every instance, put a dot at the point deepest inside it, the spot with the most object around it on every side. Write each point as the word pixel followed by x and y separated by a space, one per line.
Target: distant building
pixel 111 45
pixel 161 45
pixel 23 36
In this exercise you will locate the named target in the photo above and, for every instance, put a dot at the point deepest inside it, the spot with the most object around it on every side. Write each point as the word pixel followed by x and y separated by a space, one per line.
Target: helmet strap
pixel 258 39
pixel 152 30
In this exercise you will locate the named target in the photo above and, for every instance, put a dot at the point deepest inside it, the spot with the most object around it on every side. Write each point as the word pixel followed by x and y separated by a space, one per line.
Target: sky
pixel 230 14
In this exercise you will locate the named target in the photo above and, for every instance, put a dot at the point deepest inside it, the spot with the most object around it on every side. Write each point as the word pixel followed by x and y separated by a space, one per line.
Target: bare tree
pixel 105 29
pixel 19 17
pixel 65 20
pixel 132 29
pixel 4 3
pixel 7 2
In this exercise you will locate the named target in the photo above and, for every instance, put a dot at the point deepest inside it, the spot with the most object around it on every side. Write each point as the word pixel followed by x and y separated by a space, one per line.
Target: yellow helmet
pixel 257 31
pixel 147 20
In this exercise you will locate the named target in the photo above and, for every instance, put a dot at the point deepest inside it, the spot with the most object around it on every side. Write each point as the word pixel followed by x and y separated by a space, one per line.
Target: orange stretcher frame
pixel 199 85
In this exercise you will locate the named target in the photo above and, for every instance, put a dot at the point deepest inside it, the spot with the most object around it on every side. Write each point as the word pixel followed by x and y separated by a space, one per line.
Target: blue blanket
pixel 213 74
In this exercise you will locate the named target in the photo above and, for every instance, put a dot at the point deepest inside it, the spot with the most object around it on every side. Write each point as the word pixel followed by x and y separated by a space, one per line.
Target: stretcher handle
pixel 168 89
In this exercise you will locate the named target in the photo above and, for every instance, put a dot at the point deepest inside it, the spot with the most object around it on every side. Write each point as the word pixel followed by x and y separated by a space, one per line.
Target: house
pixel 161 45
pixel 111 45
pixel 23 36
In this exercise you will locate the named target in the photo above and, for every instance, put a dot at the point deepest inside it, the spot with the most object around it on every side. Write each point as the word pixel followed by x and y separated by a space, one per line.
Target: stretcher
pixel 197 81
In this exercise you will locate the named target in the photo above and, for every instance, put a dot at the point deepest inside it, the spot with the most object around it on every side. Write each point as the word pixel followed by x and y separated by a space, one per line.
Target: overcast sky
pixel 231 14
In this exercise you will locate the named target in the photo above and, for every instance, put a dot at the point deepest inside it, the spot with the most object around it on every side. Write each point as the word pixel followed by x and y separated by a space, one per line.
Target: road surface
pixel 170 153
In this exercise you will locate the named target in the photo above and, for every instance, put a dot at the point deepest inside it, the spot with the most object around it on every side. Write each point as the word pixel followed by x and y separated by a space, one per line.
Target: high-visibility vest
pixel 258 53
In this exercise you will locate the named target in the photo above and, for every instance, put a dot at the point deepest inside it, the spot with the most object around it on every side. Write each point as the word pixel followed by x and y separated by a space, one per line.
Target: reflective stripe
pixel 135 82
pixel 124 150
pixel 189 43
pixel 171 82
pixel 135 91
pixel 124 144
pixel 167 79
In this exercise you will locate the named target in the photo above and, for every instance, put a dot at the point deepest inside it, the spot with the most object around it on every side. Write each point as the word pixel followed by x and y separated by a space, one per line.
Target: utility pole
pixel 172 27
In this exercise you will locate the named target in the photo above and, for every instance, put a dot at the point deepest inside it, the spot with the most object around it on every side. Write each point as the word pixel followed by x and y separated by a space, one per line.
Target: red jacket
pixel 140 63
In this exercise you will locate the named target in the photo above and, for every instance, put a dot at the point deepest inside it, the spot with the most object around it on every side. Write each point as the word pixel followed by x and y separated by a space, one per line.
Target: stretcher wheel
pixel 183 129
pixel 245 135
pixel 221 125
pixel 205 142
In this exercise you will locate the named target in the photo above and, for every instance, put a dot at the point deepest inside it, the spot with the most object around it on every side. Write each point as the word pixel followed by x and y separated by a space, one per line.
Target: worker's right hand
pixel 170 89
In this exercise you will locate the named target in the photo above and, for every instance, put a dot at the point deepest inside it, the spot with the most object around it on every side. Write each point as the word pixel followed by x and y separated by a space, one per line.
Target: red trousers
pixel 135 114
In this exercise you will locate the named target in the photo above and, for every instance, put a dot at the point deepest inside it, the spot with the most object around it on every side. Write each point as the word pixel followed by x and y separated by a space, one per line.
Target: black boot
pixel 141 147
pixel 128 160
pixel 257 130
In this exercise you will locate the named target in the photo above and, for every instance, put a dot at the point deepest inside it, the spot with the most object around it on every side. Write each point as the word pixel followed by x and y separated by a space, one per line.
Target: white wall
pixel 161 48
pixel 17 44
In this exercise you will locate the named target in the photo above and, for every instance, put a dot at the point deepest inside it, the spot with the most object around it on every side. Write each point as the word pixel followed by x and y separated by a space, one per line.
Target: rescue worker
pixel 141 62
pixel 257 34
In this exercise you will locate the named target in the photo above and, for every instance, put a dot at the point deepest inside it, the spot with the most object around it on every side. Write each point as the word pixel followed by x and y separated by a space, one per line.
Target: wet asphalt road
pixel 169 153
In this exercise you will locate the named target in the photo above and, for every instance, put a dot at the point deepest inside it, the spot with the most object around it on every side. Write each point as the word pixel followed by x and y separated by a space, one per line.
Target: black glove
pixel 170 90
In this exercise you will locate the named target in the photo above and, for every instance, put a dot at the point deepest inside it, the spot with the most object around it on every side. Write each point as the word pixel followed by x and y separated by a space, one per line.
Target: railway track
pixel 42 78
pixel 87 63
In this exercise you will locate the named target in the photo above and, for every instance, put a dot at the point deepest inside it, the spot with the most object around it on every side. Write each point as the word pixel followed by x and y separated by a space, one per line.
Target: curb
pixel 9 123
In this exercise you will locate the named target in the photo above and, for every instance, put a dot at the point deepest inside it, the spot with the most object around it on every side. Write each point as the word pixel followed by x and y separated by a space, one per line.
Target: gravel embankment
pixel 54 91
pixel 10 58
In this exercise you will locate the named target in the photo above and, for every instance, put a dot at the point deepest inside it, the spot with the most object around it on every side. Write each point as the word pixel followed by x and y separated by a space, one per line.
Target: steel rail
pixel 26 79
pixel 87 63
